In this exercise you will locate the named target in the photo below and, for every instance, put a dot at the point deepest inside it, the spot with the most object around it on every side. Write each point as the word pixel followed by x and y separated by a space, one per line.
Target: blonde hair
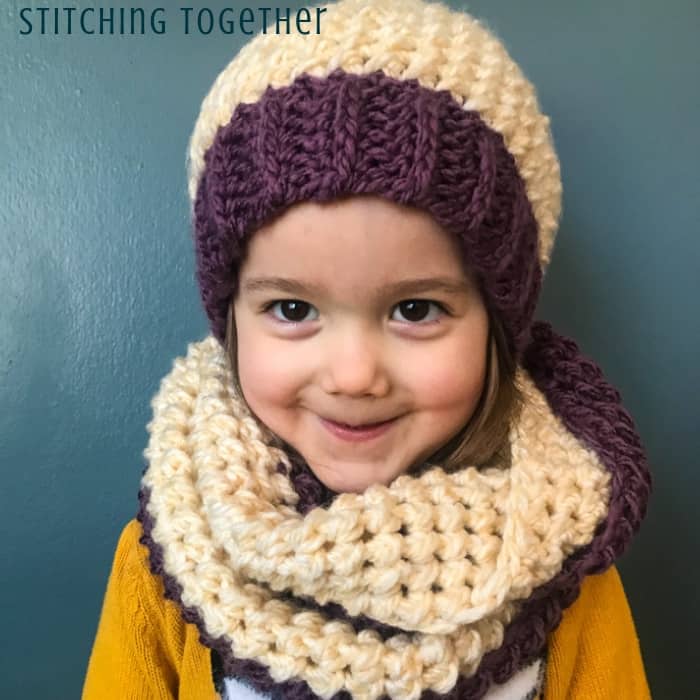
pixel 484 439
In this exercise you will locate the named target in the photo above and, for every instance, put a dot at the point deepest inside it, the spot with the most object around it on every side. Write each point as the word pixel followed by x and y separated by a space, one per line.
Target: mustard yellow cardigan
pixel 144 650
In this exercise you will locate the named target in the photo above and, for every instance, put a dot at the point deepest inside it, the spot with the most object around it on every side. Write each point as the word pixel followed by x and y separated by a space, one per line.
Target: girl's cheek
pixel 448 392
pixel 268 373
pixel 450 376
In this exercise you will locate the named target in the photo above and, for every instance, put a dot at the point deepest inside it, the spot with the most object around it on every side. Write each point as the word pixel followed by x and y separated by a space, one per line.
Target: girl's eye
pixel 292 310
pixel 412 310
pixel 416 310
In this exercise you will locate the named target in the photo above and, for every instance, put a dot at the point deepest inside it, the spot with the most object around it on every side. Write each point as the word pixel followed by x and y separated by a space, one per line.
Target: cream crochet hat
pixel 404 99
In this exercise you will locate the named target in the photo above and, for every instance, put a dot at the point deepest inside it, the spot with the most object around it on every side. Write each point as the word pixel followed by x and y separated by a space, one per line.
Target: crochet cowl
pixel 438 585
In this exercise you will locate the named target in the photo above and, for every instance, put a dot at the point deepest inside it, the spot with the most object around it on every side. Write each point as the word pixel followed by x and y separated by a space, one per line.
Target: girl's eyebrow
pixel 409 286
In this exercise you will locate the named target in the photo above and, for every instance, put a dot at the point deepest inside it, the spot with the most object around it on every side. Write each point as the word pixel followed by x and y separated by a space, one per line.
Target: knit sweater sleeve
pixel 594 654
pixel 139 643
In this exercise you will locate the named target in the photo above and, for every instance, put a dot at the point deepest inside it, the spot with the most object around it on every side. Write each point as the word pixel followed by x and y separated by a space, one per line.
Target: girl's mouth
pixel 357 433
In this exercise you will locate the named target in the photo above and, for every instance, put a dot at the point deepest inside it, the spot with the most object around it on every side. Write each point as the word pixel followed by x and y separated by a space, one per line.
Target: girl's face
pixel 359 311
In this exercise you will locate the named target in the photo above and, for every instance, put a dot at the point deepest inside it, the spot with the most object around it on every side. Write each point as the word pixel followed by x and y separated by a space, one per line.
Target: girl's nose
pixel 355 365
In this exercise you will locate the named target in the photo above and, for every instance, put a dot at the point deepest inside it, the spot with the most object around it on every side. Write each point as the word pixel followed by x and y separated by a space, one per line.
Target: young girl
pixel 378 477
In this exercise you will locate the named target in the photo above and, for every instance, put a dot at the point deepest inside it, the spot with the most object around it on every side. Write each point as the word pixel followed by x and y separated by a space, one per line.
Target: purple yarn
pixel 319 139
pixel 591 409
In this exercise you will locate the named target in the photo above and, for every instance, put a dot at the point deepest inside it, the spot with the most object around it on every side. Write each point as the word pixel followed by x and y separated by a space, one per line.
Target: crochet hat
pixel 398 98
pixel 442 584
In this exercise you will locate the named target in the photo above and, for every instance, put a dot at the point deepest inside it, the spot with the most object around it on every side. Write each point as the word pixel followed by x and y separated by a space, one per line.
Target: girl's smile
pixel 358 433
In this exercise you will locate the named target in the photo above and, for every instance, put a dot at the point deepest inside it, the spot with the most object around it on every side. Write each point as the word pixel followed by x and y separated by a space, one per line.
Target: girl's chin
pixel 355 482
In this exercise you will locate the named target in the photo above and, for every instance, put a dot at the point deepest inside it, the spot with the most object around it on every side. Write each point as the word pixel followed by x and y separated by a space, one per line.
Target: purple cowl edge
pixel 591 409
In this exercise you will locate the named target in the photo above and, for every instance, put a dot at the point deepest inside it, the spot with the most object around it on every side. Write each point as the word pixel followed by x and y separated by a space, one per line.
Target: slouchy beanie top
pixel 441 584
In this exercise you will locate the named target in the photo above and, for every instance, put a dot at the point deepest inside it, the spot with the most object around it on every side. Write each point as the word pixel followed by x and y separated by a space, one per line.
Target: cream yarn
pixel 225 520
pixel 443 49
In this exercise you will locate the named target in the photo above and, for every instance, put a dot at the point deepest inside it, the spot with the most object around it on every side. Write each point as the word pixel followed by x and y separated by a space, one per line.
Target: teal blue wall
pixel 97 291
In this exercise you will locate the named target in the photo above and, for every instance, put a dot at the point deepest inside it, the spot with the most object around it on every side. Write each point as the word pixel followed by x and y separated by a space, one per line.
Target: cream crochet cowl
pixel 438 585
